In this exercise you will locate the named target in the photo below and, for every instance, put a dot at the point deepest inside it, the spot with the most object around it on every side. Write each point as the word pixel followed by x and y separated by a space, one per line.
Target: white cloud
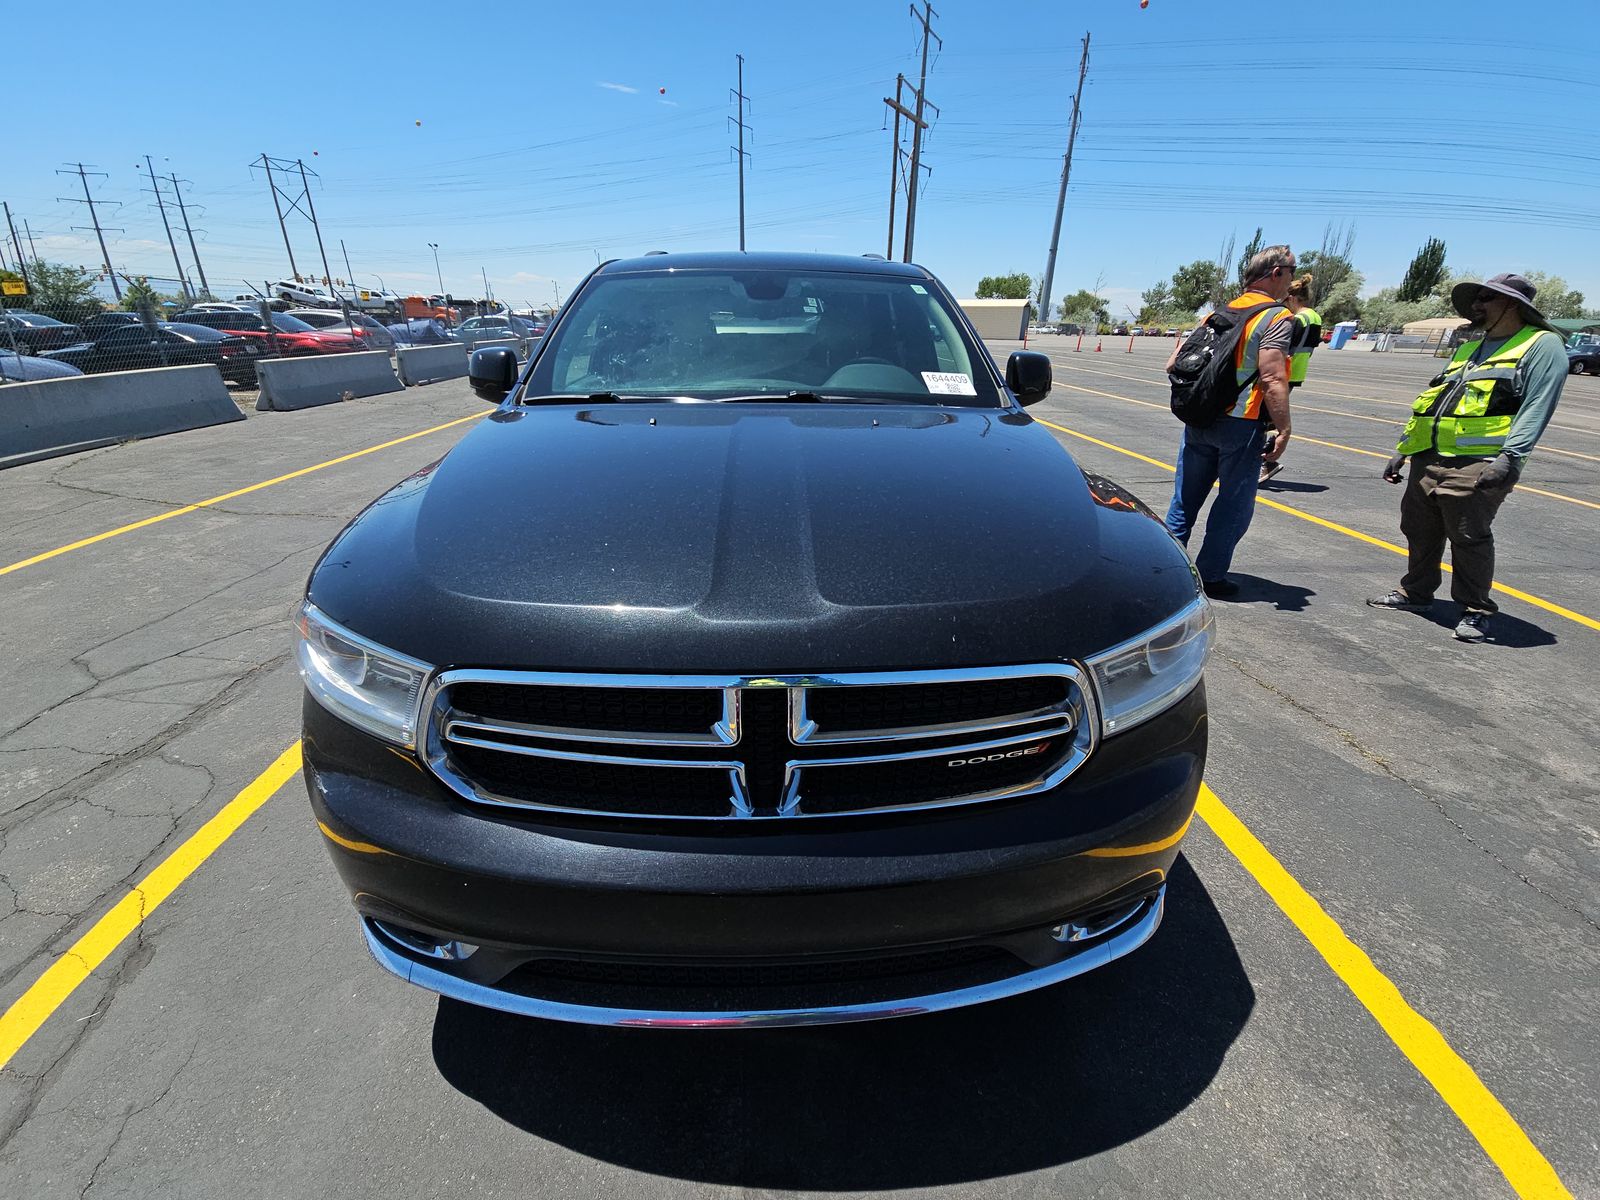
pixel 619 87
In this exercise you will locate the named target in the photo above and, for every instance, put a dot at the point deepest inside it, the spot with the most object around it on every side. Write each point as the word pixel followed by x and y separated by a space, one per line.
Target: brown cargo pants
pixel 1441 503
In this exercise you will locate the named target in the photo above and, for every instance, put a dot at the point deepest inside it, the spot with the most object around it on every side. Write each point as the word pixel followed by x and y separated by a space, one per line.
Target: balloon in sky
pixel 663 91
pixel 1144 3
pixel 419 122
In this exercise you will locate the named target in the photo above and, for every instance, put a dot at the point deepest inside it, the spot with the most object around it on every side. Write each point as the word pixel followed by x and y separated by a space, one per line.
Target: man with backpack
pixel 1230 376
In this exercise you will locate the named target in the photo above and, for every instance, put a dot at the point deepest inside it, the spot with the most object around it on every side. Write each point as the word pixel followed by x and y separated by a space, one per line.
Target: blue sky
pixel 546 140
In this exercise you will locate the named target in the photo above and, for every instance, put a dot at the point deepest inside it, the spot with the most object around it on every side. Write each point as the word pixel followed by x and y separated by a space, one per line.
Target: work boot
pixel 1473 627
pixel 1399 600
pixel 1220 589
pixel 1269 469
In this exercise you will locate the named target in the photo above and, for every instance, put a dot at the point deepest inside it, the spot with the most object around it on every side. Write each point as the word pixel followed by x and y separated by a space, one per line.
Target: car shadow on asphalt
pixel 1016 1085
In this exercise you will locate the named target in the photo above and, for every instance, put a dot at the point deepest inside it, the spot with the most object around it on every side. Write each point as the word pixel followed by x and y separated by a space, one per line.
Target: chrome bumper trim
pixel 1127 938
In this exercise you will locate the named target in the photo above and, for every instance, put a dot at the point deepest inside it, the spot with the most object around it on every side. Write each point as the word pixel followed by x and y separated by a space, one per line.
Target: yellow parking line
pixel 244 491
pixel 1510 1149
pixel 1503 589
pixel 23 1019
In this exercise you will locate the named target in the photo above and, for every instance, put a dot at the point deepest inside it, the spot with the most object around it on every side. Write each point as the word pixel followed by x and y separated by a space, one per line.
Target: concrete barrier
pixel 288 384
pixel 514 343
pixel 61 416
pixel 427 364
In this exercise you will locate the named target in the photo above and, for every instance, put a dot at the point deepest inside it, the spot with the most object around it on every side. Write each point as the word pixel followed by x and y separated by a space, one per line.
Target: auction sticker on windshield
pixel 949 383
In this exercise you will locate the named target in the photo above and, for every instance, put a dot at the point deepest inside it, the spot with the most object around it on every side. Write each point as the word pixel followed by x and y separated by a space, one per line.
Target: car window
pixel 288 324
pixel 128 335
pixel 742 332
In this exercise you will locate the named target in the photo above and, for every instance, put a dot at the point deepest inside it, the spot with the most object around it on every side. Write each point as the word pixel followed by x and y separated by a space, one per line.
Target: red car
pixel 294 336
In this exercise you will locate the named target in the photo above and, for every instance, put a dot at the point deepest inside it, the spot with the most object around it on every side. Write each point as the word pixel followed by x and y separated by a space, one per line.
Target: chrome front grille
pixel 751 747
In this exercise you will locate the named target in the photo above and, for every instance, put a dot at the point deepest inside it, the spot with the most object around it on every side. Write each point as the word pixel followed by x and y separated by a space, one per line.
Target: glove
pixel 1391 469
pixel 1499 473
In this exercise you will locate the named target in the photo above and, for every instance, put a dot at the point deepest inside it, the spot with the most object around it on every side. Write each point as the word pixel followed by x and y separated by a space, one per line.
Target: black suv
pixel 758 661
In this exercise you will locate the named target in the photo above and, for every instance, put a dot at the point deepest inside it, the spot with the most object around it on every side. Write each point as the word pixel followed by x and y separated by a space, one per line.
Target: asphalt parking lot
pixel 1379 974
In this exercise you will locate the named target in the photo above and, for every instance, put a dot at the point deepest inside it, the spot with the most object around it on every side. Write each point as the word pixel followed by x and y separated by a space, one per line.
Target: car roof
pixel 762 260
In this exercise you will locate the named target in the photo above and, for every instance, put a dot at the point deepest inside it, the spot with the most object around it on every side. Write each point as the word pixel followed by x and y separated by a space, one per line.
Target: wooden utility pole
pixel 1061 198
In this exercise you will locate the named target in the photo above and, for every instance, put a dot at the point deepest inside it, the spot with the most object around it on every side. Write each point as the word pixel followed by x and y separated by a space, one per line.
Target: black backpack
pixel 1204 384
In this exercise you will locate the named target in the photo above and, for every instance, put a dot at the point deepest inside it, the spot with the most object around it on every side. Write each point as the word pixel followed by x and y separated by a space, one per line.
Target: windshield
pixel 719 334
pixel 288 324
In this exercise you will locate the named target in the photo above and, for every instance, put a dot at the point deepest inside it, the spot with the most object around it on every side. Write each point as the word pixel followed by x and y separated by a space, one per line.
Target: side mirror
pixel 492 372
pixel 1028 375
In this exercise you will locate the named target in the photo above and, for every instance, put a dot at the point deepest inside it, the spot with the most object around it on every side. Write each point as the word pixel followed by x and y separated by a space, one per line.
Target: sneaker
pixel 1220 589
pixel 1268 470
pixel 1398 599
pixel 1473 627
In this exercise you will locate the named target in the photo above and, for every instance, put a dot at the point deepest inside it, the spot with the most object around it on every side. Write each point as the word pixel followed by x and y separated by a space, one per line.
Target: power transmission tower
pixel 741 103
pixel 919 125
pixel 183 213
pixel 22 267
pixel 1061 198
pixel 268 163
pixel 183 281
pixel 311 211
pixel 94 219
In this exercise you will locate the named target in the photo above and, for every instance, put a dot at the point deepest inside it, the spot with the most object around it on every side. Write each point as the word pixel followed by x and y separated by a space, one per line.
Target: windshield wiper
pixel 591 397
pixel 802 397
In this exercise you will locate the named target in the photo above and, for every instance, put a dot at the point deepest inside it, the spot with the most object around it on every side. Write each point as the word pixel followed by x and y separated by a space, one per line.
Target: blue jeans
pixel 1227 453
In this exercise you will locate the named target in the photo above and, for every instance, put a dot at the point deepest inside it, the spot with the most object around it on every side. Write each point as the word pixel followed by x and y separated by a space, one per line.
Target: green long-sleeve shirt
pixel 1544 374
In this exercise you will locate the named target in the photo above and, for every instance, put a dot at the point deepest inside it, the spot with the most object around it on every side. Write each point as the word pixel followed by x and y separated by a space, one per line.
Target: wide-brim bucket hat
pixel 1514 286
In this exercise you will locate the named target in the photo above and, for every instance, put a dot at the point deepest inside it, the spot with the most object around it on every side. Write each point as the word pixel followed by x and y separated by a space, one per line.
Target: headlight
pixel 371 687
pixel 1154 671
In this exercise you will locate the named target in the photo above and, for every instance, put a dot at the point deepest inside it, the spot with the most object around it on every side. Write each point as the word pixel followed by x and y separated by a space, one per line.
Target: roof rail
pixel 879 257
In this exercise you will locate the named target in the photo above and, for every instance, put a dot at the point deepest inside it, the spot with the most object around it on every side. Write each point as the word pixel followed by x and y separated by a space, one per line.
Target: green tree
pixel 1251 249
pixel 1425 273
pixel 1192 285
pixel 1016 286
pixel 139 295
pixel 1085 308
pixel 59 291
pixel 1342 303
pixel 1554 297
pixel 1331 263
pixel 1157 296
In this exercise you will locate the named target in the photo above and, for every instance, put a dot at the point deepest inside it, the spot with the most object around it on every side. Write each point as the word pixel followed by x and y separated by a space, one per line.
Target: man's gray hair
pixel 1264 260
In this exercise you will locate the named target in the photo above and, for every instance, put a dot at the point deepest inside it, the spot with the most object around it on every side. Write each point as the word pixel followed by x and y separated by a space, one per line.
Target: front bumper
pixel 620 923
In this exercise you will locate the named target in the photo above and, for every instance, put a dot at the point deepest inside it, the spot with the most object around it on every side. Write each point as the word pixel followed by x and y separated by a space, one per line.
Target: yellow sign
pixel 13 287
pixel 366 295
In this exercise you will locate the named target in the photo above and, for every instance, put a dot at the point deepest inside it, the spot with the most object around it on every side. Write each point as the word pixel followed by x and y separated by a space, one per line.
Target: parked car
pixel 24 368
pixel 478 329
pixel 420 331
pixel 174 344
pixel 1583 358
pixel 372 334
pixel 749 711
pixel 302 293
pixel 294 337
pixel 34 332
pixel 95 327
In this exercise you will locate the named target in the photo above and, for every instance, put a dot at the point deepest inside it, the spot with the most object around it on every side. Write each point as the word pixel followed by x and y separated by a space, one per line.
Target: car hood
pixel 752 539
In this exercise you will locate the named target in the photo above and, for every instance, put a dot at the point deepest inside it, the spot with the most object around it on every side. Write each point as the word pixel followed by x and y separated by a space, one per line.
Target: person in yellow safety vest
pixel 1471 431
pixel 1307 337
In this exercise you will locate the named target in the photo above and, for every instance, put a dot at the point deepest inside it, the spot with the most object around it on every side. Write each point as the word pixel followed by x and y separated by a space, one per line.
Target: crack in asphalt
pixel 153 747
pixel 1383 764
